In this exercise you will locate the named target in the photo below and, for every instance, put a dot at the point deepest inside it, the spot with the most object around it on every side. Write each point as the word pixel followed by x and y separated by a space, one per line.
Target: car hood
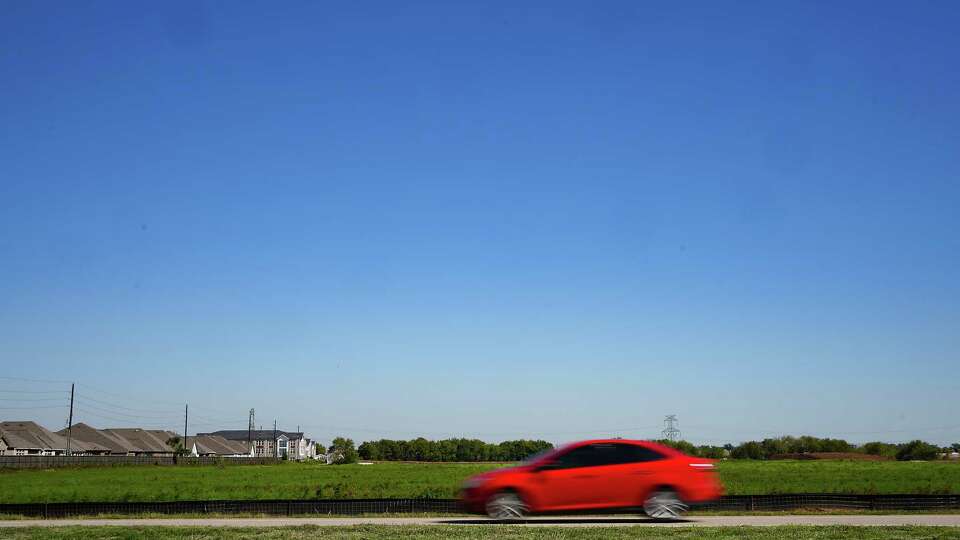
pixel 489 475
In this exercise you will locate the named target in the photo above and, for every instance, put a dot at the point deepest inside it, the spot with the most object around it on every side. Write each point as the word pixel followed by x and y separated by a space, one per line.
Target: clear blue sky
pixel 550 219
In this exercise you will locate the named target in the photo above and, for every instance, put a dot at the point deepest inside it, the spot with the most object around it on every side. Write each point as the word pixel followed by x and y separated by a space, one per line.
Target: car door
pixel 630 471
pixel 569 481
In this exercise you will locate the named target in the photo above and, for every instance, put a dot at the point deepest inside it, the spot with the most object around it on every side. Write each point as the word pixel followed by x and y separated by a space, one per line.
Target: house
pixel 124 441
pixel 267 443
pixel 25 438
pixel 116 446
pixel 217 446
pixel 145 442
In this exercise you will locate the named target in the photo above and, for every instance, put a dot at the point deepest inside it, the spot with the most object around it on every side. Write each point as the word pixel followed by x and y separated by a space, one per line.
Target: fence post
pixel 750 503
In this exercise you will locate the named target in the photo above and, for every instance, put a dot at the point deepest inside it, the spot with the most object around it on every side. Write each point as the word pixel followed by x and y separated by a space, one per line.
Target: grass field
pixel 437 480
pixel 480 532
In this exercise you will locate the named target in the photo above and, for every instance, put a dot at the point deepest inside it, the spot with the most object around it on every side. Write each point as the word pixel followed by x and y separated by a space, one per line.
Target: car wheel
pixel 506 505
pixel 664 503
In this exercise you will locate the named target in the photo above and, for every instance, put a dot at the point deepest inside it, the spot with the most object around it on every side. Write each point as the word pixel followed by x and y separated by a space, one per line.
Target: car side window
pixel 594 455
pixel 583 456
pixel 632 453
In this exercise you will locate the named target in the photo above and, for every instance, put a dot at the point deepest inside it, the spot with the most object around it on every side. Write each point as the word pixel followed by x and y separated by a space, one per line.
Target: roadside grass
pixel 745 477
pixel 480 532
pixel 696 514
pixel 430 480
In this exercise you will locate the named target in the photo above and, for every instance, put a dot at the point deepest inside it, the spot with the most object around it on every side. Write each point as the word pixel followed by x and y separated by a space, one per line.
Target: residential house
pixel 115 445
pixel 145 442
pixel 25 438
pixel 217 446
pixel 124 441
pixel 267 443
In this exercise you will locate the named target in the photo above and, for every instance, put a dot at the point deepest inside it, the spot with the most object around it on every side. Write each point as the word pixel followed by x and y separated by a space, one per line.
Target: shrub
pixel 343 451
pixel 877 448
pixel 748 450
pixel 917 450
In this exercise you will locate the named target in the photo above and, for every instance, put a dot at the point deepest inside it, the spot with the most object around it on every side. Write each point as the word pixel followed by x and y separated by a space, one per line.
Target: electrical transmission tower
pixel 671 430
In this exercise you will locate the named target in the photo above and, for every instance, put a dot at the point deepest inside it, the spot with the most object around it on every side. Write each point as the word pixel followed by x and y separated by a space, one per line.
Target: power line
pixel 124 407
pixel 5 391
pixel 127 415
pixel 32 408
pixel 127 397
pixel 210 419
pixel 27 400
pixel 42 381
pixel 126 420
pixel 160 402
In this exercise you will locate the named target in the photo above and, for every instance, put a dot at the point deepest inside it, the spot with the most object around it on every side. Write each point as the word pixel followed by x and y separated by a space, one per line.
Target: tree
pixel 955 447
pixel 318 449
pixel 711 452
pixel 177 444
pixel 682 446
pixel 369 450
pixel 917 450
pixel 877 448
pixel 772 447
pixel 343 451
pixel 748 450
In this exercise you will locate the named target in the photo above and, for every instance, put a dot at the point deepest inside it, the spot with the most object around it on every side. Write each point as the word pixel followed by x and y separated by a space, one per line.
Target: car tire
pixel 506 505
pixel 664 503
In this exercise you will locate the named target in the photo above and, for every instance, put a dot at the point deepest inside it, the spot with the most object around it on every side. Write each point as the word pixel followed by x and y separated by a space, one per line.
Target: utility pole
pixel 250 426
pixel 70 424
pixel 186 411
pixel 671 431
pixel 274 439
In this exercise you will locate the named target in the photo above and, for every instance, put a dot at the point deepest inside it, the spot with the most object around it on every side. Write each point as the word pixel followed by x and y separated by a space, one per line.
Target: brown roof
pixel 216 445
pixel 25 434
pixel 143 440
pixel 90 435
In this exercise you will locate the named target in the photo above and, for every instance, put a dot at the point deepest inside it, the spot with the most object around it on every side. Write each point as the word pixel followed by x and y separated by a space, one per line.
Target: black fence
pixel 273 507
pixel 833 501
pixel 745 503
pixel 52 462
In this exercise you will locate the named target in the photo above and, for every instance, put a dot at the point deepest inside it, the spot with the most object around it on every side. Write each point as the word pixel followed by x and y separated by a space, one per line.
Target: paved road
pixel 706 521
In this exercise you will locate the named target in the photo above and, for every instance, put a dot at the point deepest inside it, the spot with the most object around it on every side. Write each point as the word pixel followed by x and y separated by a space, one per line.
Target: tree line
pixel 473 450
pixel 806 444
pixel 422 449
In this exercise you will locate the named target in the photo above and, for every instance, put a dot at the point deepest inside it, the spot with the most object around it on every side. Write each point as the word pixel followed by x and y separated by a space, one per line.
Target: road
pixel 705 521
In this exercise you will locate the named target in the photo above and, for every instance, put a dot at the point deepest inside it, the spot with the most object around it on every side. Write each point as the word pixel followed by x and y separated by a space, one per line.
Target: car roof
pixel 649 444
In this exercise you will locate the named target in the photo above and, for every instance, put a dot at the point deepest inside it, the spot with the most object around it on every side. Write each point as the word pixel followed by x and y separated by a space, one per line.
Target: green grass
pixel 777 477
pixel 484 532
pixel 438 480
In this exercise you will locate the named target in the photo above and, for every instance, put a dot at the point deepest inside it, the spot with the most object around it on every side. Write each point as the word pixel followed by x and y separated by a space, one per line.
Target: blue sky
pixel 551 219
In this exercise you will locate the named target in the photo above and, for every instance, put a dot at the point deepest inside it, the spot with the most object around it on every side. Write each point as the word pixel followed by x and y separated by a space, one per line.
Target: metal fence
pixel 744 503
pixel 833 501
pixel 51 462
pixel 272 507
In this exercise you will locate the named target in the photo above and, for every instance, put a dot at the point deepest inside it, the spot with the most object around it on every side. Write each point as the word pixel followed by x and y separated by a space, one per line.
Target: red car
pixel 596 475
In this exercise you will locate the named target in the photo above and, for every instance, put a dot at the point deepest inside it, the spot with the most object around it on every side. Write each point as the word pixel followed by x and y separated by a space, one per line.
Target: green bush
pixel 422 449
pixel 877 448
pixel 343 451
pixel 748 450
pixel 917 450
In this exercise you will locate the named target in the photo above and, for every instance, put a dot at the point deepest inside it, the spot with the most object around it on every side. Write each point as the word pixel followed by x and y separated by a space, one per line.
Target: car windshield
pixel 538 456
